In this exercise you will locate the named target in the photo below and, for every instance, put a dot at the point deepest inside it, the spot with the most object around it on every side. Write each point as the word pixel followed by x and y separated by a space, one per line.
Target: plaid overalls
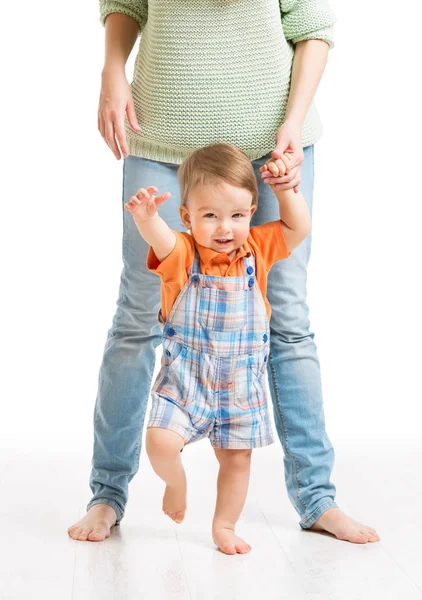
pixel 215 349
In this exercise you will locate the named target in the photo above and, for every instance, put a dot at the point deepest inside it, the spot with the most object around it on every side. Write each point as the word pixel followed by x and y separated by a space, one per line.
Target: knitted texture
pixel 212 71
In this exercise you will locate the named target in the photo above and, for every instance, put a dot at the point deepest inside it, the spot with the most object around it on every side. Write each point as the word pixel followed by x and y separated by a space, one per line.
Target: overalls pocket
pixel 222 310
pixel 249 391
pixel 173 353
pixel 178 379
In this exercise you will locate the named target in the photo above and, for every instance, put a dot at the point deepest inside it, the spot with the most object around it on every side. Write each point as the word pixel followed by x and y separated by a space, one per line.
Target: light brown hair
pixel 214 164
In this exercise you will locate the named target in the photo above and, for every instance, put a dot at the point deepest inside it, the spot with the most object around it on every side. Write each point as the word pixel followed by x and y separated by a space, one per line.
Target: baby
pixel 215 319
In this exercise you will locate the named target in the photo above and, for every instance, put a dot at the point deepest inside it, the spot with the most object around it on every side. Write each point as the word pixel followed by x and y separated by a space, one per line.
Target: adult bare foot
pixel 174 499
pixel 95 526
pixel 229 542
pixel 345 528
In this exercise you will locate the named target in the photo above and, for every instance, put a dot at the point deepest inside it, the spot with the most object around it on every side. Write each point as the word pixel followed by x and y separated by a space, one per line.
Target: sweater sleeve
pixel 307 20
pixel 137 9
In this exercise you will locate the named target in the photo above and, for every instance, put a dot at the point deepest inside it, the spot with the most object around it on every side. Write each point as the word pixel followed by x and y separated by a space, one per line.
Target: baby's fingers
pixel 132 204
pixel 142 194
pixel 162 198
pixel 273 168
pixel 287 161
pixel 134 201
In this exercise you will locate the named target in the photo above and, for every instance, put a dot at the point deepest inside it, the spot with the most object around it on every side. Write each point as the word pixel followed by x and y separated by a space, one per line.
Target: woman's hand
pixel 115 100
pixel 288 139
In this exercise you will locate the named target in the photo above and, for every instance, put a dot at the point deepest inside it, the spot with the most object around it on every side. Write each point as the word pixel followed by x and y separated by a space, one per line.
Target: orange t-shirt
pixel 266 242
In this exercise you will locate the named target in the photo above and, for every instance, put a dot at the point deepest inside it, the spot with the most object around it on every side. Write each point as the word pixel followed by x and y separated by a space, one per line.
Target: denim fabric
pixel 129 356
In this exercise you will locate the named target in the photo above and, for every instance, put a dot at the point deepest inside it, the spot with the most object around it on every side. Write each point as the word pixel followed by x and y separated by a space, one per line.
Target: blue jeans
pixel 129 356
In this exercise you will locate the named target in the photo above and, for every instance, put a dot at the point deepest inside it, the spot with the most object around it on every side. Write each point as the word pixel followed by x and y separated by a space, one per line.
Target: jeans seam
pixel 138 443
pixel 283 426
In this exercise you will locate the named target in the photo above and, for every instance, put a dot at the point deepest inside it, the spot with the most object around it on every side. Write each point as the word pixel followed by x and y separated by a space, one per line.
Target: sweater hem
pixel 157 151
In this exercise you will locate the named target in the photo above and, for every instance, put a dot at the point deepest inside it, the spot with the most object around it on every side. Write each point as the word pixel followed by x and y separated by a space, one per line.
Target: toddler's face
pixel 219 216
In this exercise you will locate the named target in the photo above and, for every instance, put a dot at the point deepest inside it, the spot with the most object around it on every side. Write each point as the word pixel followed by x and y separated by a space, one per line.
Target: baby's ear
pixel 253 209
pixel 185 216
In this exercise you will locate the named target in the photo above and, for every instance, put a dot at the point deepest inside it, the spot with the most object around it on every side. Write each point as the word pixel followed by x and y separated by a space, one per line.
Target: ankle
pixel 219 524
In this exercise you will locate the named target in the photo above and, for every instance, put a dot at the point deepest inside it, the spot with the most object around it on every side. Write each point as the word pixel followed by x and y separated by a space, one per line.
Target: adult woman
pixel 235 71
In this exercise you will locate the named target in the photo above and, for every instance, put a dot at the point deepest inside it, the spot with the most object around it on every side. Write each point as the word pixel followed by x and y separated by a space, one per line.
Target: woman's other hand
pixel 288 139
pixel 116 100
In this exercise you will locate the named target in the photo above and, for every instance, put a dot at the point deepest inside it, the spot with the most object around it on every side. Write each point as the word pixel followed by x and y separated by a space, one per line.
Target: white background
pixel 61 225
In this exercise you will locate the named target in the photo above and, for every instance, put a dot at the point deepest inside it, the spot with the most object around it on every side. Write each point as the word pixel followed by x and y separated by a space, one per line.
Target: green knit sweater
pixel 217 71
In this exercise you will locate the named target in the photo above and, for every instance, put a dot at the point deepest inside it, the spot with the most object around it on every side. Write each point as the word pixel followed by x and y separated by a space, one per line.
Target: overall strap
pixel 196 265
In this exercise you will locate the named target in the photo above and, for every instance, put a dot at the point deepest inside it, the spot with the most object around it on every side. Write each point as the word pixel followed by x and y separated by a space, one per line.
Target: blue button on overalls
pixel 171 332
pixel 195 278
pixel 251 282
pixel 265 337
pixel 249 270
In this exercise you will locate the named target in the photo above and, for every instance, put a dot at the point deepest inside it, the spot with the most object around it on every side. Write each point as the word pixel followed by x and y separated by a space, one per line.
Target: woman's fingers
pixel 131 116
pixel 288 178
pixel 121 136
pixel 100 125
pixel 110 139
pixel 293 184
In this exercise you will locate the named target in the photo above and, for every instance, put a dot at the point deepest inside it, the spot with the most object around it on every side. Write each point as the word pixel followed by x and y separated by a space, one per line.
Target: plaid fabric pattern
pixel 215 350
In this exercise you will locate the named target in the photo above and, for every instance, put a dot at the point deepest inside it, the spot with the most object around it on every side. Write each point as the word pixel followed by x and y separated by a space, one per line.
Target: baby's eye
pixel 237 215
pixel 209 215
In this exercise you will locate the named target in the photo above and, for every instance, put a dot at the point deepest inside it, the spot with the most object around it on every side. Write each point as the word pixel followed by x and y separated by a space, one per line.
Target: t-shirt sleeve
pixel 270 240
pixel 174 266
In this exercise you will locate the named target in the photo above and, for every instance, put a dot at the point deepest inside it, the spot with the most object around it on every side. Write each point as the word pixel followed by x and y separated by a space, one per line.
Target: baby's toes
pixel 374 533
pixel 243 548
pixel 228 549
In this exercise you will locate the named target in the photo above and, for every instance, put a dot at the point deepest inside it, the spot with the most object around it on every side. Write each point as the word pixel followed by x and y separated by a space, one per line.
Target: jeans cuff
pixel 307 522
pixel 117 509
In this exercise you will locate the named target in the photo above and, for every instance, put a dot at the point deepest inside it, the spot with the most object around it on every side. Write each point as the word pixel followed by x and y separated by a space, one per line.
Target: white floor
pixel 150 557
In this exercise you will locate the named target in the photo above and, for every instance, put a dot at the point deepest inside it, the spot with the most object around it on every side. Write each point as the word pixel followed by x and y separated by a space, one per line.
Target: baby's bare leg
pixel 163 447
pixel 232 487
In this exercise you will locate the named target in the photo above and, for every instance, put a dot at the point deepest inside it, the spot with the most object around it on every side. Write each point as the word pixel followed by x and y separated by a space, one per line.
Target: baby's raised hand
pixel 144 204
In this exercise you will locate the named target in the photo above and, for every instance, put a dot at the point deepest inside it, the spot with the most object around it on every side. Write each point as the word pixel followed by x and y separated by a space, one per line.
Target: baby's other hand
pixel 277 167
pixel 279 175
pixel 144 204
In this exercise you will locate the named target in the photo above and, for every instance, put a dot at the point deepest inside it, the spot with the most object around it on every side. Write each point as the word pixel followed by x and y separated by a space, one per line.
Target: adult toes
pixel 74 533
pixel 96 536
pixel 83 536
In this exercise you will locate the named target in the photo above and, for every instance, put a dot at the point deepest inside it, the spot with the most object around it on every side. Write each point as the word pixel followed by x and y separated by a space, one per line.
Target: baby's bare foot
pixel 345 528
pixel 174 499
pixel 95 526
pixel 229 542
